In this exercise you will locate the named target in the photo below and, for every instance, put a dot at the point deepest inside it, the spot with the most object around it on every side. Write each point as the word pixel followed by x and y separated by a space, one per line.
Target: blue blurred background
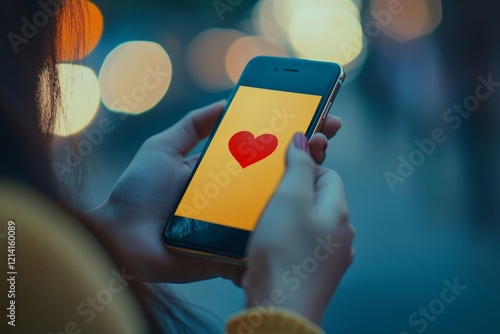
pixel 418 149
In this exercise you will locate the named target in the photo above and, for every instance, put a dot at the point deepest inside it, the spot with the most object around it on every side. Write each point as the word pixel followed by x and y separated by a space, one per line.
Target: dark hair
pixel 26 128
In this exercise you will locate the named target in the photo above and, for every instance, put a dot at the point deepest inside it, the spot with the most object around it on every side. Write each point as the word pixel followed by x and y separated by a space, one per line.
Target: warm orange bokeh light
pixel 245 49
pixel 413 20
pixel 79 18
pixel 206 58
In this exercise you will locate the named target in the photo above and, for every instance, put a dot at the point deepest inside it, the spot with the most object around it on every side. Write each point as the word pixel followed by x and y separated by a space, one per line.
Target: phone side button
pixel 327 109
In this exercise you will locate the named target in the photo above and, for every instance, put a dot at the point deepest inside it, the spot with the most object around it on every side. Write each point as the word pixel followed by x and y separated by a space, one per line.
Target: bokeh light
pixel 297 5
pixel 269 17
pixel 206 58
pixel 135 77
pixel 80 98
pixel 326 32
pixel 412 19
pixel 81 26
pixel 244 49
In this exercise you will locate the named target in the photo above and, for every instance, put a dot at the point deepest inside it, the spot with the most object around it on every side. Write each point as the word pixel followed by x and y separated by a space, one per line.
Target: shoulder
pixel 64 279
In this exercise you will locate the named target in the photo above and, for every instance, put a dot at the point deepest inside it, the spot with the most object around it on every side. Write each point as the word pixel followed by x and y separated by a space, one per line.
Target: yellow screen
pixel 246 159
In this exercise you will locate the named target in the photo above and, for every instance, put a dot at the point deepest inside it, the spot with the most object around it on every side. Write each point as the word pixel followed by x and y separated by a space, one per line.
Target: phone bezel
pixel 284 74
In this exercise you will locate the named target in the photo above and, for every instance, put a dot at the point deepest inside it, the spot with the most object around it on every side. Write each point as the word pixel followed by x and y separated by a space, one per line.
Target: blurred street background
pixel 419 149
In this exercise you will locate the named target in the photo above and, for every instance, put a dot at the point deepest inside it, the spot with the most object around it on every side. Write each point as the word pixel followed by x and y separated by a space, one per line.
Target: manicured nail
pixel 325 148
pixel 300 142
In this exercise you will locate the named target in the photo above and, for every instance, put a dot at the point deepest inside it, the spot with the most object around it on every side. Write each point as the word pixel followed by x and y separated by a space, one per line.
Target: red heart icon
pixel 247 149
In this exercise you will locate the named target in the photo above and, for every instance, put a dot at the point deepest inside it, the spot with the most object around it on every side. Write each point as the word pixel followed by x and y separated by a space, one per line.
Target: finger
pixel 329 196
pixel 232 272
pixel 295 191
pixel 195 126
pixel 192 161
pixel 300 171
pixel 330 126
pixel 318 144
pixel 228 271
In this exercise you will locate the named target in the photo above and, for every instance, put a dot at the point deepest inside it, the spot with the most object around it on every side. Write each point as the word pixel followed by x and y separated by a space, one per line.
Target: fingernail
pixel 325 148
pixel 300 142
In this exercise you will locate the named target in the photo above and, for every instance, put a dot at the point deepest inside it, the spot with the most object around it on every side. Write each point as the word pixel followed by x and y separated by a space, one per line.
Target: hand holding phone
pixel 136 210
pixel 302 245
pixel 243 161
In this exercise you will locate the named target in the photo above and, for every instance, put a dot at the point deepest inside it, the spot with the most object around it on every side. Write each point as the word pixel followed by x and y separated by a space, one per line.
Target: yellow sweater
pixel 56 278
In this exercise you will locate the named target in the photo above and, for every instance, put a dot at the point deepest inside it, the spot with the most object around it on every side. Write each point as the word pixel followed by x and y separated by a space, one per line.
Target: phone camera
pixel 275 68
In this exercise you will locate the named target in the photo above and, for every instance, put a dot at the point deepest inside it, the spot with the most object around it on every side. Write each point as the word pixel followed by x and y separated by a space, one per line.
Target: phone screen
pixel 245 161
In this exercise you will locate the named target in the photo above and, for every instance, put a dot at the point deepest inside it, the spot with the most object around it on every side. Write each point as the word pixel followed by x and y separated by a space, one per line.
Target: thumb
pixel 195 126
pixel 301 170
pixel 294 196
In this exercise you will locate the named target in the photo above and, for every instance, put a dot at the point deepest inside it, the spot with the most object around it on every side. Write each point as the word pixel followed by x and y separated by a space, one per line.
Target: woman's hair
pixel 27 117
pixel 24 131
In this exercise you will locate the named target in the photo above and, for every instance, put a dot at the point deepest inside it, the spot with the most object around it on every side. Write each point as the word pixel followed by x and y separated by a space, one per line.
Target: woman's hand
pixel 302 245
pixel 145 195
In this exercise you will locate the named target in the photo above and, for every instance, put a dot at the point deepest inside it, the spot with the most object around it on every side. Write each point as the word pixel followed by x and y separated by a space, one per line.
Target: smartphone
pixel 244 159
